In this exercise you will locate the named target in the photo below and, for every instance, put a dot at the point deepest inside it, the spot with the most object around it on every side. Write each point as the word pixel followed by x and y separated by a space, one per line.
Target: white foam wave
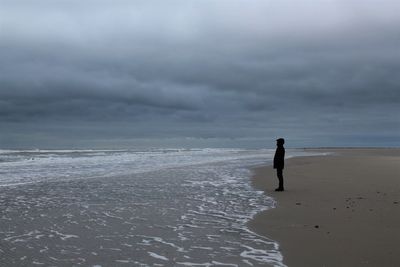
pixel 22 167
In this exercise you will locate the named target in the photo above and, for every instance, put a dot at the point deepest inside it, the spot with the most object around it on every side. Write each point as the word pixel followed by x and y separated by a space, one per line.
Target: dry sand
pixel 337 210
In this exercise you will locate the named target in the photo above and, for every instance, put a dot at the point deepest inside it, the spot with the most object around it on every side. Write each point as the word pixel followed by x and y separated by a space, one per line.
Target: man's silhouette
pixel 279 162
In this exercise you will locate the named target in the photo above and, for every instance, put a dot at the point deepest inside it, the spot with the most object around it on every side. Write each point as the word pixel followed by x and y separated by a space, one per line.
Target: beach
pixel 342 209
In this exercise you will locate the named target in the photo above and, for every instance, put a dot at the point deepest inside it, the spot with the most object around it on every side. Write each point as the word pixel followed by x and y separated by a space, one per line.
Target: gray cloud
pixel 309 70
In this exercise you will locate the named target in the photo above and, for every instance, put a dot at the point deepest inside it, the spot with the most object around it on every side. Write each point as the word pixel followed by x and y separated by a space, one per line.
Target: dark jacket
pixel 279 158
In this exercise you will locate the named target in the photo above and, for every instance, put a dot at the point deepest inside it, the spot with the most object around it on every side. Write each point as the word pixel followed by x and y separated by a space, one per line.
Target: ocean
pixel 153 207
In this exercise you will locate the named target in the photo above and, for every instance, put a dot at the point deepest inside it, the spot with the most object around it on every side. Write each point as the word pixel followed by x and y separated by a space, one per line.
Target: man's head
pixel 280 142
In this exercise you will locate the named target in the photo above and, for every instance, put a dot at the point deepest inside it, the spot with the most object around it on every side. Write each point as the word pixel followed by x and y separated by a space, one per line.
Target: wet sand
pixel 337 210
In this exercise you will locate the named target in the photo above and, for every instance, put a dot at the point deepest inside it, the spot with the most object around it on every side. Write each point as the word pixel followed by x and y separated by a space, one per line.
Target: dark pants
pixel 279 173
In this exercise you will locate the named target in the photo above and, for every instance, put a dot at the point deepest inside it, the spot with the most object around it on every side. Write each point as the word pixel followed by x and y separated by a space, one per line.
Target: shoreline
pixel 341 209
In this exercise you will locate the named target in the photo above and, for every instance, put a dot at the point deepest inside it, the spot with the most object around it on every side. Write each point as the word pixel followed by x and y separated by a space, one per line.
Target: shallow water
pixel 133 208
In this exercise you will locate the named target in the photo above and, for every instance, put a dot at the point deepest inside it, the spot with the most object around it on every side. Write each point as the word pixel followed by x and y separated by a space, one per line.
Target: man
pixel 279 162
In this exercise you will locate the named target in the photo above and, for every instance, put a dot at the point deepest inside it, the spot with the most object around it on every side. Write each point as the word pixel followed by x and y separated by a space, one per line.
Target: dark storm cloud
pixel 209 69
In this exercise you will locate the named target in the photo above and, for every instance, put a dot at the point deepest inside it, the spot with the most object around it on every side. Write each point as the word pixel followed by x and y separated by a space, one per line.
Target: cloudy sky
pixel 98 73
